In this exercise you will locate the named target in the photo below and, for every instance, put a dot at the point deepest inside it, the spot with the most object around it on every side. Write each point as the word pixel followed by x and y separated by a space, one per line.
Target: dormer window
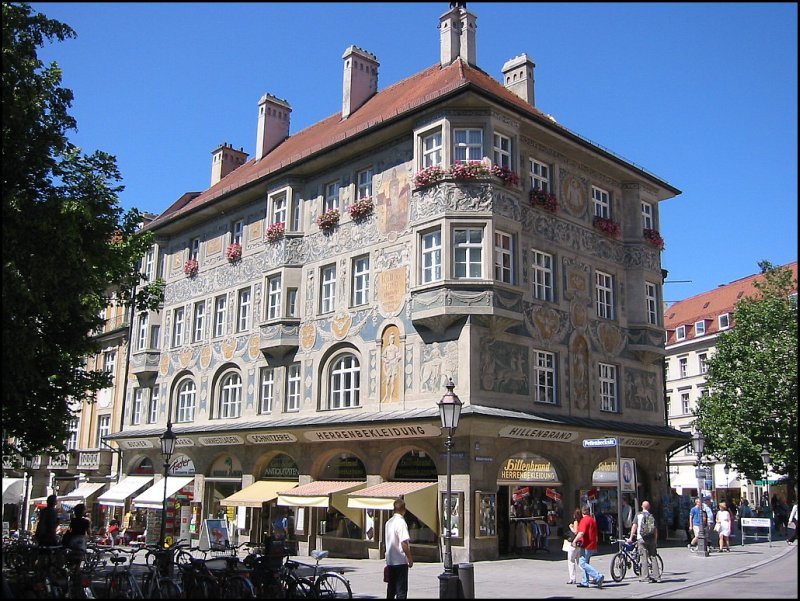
pixel 700 328
pixel 724 321
pixel 680 333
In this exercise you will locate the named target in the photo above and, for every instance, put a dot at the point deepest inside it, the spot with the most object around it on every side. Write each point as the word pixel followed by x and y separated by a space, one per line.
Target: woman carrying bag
pixel 573 553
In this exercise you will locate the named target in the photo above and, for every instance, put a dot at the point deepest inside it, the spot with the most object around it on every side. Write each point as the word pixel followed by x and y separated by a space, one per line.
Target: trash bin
pixel 466 576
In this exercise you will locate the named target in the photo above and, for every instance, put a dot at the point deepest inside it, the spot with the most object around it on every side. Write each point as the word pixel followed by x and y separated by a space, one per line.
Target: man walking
pixel 398 552
pixel 586 539
pixel 695 521
pixel 645 533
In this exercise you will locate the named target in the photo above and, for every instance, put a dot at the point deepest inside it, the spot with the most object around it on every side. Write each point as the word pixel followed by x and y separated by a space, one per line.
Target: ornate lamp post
pixel 765 460
pixel 727 470
pixel 167 447
pixel 449 411
pixel 698 446
pixel 27 462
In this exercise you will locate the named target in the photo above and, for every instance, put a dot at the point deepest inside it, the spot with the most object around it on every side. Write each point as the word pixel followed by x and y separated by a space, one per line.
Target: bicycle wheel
pixel 332 586
pixel 120 586
pixel 619 565
pixel 238 587
pixel 298 588
pixel 166 588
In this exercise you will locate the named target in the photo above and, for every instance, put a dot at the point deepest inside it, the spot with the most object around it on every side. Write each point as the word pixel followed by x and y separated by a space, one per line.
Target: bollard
pixel 466 576
pixel 449 585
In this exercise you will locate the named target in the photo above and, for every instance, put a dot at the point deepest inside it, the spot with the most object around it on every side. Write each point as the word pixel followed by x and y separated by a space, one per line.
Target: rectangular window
pixel 539 176
pixel 468 252
pixel 502 151
pixel 699 328
pixel 141 342
pixel 274 289
pixel 293 387
pixel 364 183
pixel 685 410
pixel 604 291
pixel 103 430
pixel 542 276
pixel 327 296
pixel 236 232
pixel 152 414
pixel 360 281
pixel 467 144
pixel 683 367
pixel 109 361
pixel 608 387
pixel 702 359
pixel 136 409
pixel 279 209
pixel 432 149
pixel 724 321
pixel 177 327
pixel 155 337
pixel 72 435
pixel 647 216
pixel 295 225
pixel 680 333
pixel 291 302
pixel 651 298
pixel 331 196
pixel 243 317
pixel 199 321
pixel 220 311
pixel 503 257
pixel 600 202
pixel 544 377
pixel 149 263
pixel 432 256
pixel 194 249
pixel 267 390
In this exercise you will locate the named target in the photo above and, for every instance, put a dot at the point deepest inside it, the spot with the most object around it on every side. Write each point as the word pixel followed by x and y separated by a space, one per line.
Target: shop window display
pixel 535 516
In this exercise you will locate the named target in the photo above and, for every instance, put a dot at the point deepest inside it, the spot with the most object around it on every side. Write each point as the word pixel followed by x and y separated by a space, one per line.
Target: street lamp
pixel 765 460
pixel 167 447
pixel 698 445
pixel 27 462
pixel 449 411
pixel 727 470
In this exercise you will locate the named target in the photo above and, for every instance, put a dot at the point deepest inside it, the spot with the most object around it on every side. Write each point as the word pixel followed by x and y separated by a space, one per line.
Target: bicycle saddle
pixel 319 554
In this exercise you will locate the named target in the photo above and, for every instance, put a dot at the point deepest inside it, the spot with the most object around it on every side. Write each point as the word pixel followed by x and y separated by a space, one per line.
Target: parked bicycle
pixel 325 584
pixel 628 558
pixel 222 577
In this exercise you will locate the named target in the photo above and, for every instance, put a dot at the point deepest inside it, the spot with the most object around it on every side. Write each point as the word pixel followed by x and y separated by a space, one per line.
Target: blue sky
pixel 703 95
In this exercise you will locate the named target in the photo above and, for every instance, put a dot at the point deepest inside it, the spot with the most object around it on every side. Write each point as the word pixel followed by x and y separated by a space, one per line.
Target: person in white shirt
pixel 651 570
pixel 791 525
pixel 398 552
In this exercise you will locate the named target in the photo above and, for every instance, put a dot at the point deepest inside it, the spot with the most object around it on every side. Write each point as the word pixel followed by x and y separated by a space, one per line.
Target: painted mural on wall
pixel 393 201
pixel 504 367
pixel 579 370
pixel 391 365
pixel 640 390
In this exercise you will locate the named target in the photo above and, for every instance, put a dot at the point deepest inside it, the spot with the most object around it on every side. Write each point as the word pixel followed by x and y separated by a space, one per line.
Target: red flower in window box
pixel 544 200
pixel 653 237
pixel 361 208
pixel 276 231
pixel 234 252
pixel 466 170
pixel 191 267
pixel 328 220
pixel 428 176
pixel 608 226
pixel 505 174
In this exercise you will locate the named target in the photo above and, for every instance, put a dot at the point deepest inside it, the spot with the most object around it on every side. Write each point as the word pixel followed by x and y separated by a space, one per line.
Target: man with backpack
pixel 645 533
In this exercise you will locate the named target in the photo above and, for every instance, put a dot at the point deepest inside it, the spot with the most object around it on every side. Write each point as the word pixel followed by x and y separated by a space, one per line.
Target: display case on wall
pixel 457 504
pixel 485 514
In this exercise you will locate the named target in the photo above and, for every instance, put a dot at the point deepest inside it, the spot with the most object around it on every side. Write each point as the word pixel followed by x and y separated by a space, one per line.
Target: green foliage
pixel 752 380
pixel 66 243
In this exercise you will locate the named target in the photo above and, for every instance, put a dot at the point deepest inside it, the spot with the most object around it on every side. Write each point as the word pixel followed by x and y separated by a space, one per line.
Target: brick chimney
pixel 518 77
pixel 457 29
pixel 224 159
pixel 360 79
pixel 273 124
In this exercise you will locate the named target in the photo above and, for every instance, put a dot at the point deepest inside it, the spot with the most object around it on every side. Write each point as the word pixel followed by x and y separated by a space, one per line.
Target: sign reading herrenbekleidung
pixel 526 467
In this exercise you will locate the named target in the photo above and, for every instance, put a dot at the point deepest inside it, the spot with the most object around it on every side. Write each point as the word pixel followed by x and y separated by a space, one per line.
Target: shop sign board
pixel 373 433
pixel 537 434
pixel 591 443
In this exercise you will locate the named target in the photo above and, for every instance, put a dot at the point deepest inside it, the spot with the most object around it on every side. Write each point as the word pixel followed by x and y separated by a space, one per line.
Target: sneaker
pixel 570 582
pixel 600 581
pixel 692 548
pixel 581 585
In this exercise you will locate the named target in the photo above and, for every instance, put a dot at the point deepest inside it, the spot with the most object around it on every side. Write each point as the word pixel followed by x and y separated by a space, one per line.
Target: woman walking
pixel 573 553
pixel 724 525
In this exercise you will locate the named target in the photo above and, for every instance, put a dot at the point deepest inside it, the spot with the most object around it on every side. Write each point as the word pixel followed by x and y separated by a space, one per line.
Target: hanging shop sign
pixel 537 434
pixel 377 433
pixel 271 438
pixel 526 467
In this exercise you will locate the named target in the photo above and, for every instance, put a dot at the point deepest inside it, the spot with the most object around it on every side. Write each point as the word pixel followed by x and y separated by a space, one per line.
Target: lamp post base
pixel 448 586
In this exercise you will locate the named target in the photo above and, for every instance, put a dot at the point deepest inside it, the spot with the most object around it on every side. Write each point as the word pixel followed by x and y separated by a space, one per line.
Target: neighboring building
pixel 693 325
pixel 299 347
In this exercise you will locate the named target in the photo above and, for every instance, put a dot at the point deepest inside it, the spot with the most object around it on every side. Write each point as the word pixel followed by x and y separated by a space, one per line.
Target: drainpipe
pixel 127 370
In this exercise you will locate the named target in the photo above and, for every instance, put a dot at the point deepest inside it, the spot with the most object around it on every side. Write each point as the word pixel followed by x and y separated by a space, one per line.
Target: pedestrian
pixel 79 528
pixel 573 553
pixel 791 527
pixel 645 533
pixel 47 524
pixel 398 552
pixel 586 539
pixel 280 525
pixel 724 527
pixel 627 515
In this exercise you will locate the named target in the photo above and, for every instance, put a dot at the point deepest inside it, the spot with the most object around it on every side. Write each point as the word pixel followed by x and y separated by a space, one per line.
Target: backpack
pixel 648 528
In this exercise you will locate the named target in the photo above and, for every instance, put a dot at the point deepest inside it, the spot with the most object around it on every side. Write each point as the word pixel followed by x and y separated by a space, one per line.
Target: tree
pixel 752 381
pixel 66 242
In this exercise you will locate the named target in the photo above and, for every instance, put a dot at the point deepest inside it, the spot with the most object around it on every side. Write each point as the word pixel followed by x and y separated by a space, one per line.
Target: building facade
pixel 321 294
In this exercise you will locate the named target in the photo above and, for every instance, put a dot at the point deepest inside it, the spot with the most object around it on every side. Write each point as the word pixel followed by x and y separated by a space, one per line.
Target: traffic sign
pixel 599 442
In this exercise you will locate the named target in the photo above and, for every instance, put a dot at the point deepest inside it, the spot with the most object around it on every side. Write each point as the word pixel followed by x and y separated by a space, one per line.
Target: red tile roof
pixel 709 305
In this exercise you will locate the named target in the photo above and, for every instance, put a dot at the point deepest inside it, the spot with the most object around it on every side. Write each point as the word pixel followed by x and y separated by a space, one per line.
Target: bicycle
pixel 325 585
pixel 122 584
pixel 628 557
pixel 216 578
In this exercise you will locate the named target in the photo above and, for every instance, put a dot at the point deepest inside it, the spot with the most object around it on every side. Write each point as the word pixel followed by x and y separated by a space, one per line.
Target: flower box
pixel 544 200
pixel 328 220
pixel 191 267
pixel 608 226
pixel 504 173
pixel 653 237
pixel 234 252
pixel 429 176
pixel 276 231
pixel 468 170
pixel 361 208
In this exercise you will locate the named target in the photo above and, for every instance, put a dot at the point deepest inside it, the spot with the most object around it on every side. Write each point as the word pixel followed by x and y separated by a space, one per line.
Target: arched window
pixel 230 395
pixel 344 382
pixel 186 401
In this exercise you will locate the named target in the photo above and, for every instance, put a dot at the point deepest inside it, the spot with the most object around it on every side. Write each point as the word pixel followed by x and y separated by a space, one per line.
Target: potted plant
pixel 504 173
pixel 429 176
pixel 234 252
pixel 468 170
pixel 543 199
pixel 361 208
pixel 653 237
pixel 608 226
pixel 328 220
pixel 276 231
pixel 191 267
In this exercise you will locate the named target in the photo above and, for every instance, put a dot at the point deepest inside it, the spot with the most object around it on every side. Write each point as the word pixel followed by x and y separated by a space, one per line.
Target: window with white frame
pixel 230 396
pixel 220 313
pixel 504 257
pixel 431 256
pixel 267 396
pixel 243 312
pixel 344 382
pixel 502 151
pixel 274 293
pixel 666 369
pixel 237 230
pixel 149 263
pixel 291 302
pixel 601 203
pixel 468 252
pixel 608 387
pixel 103 430
pixel 138 405
pixel 685 409
pixel 331 196
pixel 651 300
pixel 680 333
pixel 702 359
pixel 194 249
pixel 155 337
pixel 724 321
pixel 199 321
pixel 647 216
pixel 177 327
pixel 280 208
pixel 542 275
pixel 683 367
pixel 327 297
pixel 72 435
pixel 364 184
pixel 604 295
pixel 467 144
pixel 296 208
pixel 539 175
pixel 141 341
pixel 360 294
pixel 186 401
pixel 152 413
pixel 544 377
pixel 699 328
pixel 293 387
pixel 432 149
pixel 109 361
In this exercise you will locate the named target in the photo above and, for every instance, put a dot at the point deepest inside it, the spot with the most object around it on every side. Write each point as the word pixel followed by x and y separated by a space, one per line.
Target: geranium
pixel 428 176
pixel 654 238
pixel 328 220
pixel 505 174
pixel 543 199
pixel 191 267
pixel 276 231
pixel 361 208
pixel 234 252
pixel 469 170
pixel 608 226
